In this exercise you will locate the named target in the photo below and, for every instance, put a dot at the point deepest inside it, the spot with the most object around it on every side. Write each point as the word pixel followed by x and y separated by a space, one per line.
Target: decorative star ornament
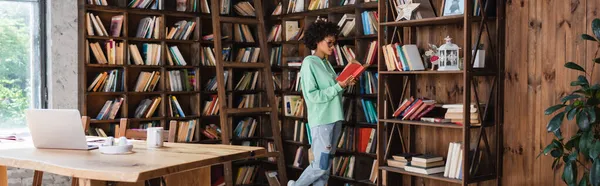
pixel 405 10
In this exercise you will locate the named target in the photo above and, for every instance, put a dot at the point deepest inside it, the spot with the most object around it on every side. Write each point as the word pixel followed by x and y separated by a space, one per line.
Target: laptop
pixel 57 129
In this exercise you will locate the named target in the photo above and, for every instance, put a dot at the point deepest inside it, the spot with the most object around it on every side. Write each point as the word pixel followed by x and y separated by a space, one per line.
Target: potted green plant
pixel 582 149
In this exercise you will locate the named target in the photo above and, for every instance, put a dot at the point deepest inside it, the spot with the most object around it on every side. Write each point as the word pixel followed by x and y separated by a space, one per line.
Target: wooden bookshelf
pixel 192 101
pixel 466 87
pixel 297 49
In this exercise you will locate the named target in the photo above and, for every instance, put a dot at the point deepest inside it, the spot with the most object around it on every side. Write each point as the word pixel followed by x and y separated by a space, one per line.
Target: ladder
pixel 263 66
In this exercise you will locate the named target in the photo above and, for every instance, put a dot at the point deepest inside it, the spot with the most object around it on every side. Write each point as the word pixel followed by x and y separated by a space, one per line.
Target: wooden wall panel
pixel 541 36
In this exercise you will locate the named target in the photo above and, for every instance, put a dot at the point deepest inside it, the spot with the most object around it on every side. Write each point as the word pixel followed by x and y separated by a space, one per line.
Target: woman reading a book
pixel 323 96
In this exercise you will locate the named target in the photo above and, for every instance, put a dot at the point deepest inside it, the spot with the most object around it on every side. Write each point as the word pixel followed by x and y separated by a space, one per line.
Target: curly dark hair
pixel 317 32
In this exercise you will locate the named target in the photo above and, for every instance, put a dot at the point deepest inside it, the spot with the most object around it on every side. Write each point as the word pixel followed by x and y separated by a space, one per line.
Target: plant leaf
pixel 571 114
pixel 555 163
pixel 595 173
pixel 595 151
pixel 556 153
pixel 572 142
pixel 574 66
pixel 552 109
pixel 588 37
pixel 570 173
pixel 583 121
pixel 585 142
pixel 596 27
pixel 584 179
pixel 583 79
pixel 570 97
pixel 555 122
pixel 592 114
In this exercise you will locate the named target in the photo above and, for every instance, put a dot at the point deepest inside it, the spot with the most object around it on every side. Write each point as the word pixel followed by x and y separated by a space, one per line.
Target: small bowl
pixel 114 150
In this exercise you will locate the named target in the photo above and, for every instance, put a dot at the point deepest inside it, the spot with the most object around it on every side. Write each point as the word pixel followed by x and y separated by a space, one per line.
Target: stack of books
pixel 182 30
pixel 370 20
pixel 147 81
pixel 186 129
pixel 174 107
pixel 248 81
pixel 401 160
pixel 426 164
pixel 294 105
pixel 244 8
pixel 211 107
pixel 411 109
pixel 149 28
pixel 147 107
pixel 245 128
pixel 455 113
pixel 110 109
pixel 242 33
pixel 346 25
pixel 402 57
pixel 212 131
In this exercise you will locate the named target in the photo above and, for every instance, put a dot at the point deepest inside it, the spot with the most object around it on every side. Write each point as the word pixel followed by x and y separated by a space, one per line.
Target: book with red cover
pixel 353 69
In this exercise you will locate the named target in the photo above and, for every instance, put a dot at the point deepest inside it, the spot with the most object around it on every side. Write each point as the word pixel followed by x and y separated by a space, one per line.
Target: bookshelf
pixel 468 86
pixel 184 73
pixel 295 51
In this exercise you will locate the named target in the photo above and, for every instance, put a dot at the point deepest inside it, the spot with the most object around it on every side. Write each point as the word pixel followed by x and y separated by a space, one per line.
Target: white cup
pixel 154 137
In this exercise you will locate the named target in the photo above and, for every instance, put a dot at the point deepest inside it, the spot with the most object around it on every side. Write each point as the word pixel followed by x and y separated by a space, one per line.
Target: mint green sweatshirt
pixel 322 93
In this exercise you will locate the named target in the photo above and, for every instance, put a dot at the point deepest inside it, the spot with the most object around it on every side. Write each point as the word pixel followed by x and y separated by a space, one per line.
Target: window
pixel 21 61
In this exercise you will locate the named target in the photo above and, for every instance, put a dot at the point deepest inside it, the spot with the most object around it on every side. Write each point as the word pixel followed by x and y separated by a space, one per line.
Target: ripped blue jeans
pixel 324 143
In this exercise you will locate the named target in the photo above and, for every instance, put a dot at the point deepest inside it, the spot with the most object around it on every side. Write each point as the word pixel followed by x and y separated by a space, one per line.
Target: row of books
pixel 110 109
pixel 152 54
pixel 275 58
pixel 300 132
pixel 146 4
pixel 248 55
pixel 110 81
pixel 402 57
pixel 293 105
pixel 455 114
pixel 94 25
pixel 115 52
pixel 370 20
pixel 245 128
pixel 147 107
pixel 278 9
pixel 454 161
pixel 211 107
pixel 181 80
pixel 294 81
pixel 347 140
pixel 275 34
pixel 369 110
pixel 247 101
pixel 295 6
pixel 271 148
pixel 147 81
pixel 212 85
pixel 349 105
pixel 348 2
pixel 98 2
pixel 212 131
pixel 293 61
pixel 368 83
pixel 97 131
pixel 298 157
pixel 174 107
pixel 149 27
pixel 182 30
pixel 346 24
pixel 248 81
pixel 344 54
pixel 367 140
pixel 343 166
pixel 186 130
pixel 293 32
pixel 208 56
pixel 246 175
pixel 318 4
pixel 174 57
pixel 414 109
pixel 371 56
pixel 277 82
pixel 242 33
pixel 146 125
pixel 244 8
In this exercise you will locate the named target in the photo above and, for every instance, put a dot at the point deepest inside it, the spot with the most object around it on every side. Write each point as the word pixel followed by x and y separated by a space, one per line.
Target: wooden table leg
pixel 3 176
pixel 37 178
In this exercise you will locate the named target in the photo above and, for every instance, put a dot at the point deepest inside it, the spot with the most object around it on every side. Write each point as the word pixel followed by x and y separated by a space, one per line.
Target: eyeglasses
pixel 331 43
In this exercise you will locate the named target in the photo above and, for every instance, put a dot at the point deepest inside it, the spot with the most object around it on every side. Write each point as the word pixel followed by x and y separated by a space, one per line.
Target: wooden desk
pixel 94 168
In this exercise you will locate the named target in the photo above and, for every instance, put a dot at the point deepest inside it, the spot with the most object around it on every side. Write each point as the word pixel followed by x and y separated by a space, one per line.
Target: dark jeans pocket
pixel 325 160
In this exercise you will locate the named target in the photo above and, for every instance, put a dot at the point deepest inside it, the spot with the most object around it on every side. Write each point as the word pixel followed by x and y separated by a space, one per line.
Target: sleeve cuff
pixel 338 87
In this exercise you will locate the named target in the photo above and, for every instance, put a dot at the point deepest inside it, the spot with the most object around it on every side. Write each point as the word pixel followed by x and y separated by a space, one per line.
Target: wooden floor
pixel 541 36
